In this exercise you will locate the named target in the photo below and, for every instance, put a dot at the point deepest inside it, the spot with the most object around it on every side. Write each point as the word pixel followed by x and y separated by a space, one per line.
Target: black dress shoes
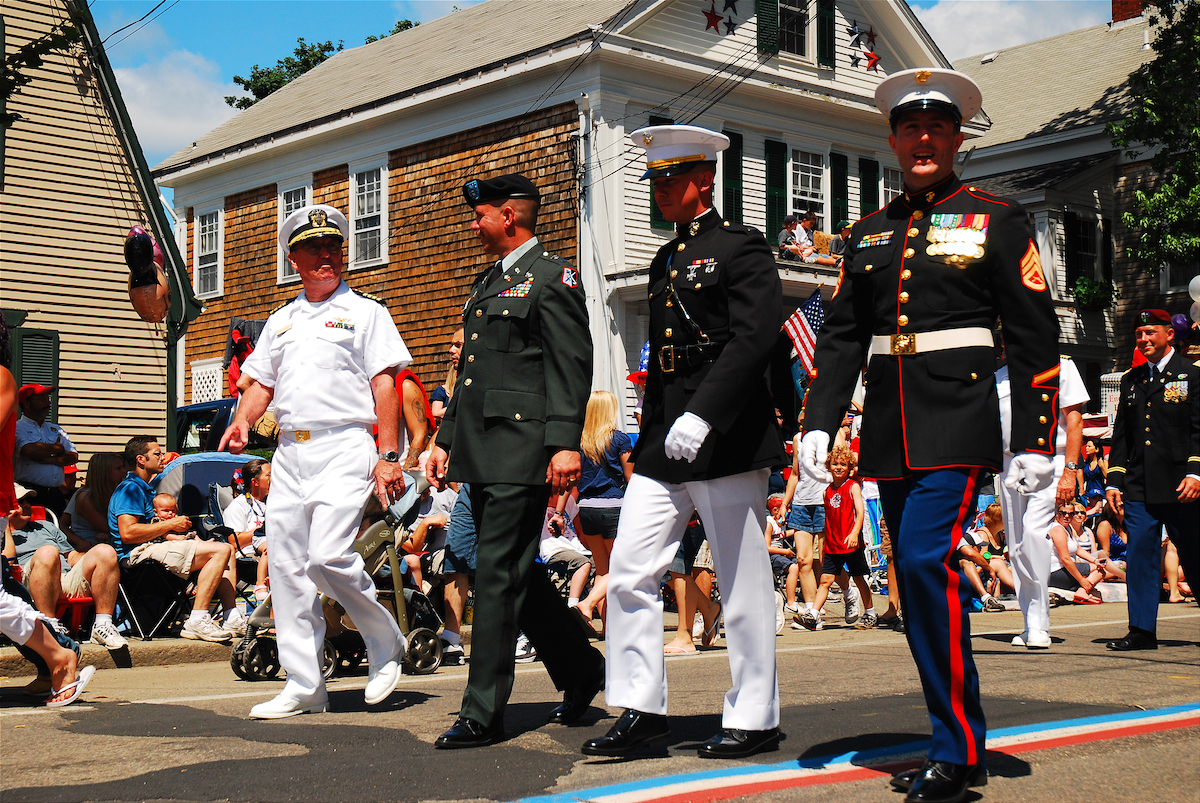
pixel 940 782
pixel 633 730
pixel 469 733
pixel 1137 639
pixel 734 743
pixel 576 701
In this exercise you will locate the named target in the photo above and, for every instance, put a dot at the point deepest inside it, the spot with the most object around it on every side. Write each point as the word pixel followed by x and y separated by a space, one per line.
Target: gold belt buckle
pixel 666 359
pixel 904 344
pixel 302 435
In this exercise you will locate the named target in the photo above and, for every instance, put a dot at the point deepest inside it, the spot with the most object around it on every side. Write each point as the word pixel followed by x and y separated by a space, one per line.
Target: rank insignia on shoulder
pixel 957 235
pixel 872 240
pixel 518 291
pixel 370 297
pixel 570 277
pixel 340 323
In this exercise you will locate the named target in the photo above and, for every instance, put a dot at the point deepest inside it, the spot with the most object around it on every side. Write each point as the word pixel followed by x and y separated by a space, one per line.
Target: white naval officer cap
pixel 308 222
pixel 928 88
pixel 675 149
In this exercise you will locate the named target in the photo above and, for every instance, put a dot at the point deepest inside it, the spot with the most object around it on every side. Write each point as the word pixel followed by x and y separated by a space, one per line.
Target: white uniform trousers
pixel 318 491
pixel 1027 521
pixel 654 516
pixel 17 617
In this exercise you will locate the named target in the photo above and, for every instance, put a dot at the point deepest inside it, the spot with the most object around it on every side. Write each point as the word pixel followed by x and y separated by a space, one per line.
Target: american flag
pixel 802 328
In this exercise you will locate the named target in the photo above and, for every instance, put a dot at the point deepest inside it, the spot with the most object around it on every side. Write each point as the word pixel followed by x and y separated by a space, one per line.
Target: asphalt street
pixel 851 708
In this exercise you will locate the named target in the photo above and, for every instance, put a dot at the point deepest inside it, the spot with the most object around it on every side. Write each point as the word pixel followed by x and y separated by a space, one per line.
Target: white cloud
pixel 174 101
pixel 974 27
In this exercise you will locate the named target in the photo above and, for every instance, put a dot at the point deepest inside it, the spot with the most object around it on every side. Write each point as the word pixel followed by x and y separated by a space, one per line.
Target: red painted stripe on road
pixel 730 792
pixel 1098 736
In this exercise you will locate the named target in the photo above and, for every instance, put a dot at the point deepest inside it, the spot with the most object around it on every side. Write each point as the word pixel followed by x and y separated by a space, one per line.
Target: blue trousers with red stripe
pixel 926 513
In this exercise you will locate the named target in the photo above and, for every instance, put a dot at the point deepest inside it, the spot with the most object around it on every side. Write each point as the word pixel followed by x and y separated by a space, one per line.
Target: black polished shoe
pixel 734 743
pixel 633 730
pixel 576 701
pixel 904 780
pixel 943 782
pixel 469 733
pixel 1137 639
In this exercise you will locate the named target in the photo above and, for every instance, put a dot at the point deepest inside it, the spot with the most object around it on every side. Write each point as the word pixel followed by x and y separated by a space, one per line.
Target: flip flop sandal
pixel 712 633
pixel 587 623
pixel 76 688
pixel 669 650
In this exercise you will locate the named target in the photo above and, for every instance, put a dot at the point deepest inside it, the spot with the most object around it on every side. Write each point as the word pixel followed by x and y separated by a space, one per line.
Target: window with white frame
pixel 290 201
pixel 793 26
pixel 893 184
pixel 206 380
pixel 208 255
pixel 1175 277
pixel 368 216
pixel 808 182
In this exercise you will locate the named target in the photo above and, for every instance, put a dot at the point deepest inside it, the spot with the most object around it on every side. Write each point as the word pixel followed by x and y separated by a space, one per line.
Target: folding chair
pixel 152 599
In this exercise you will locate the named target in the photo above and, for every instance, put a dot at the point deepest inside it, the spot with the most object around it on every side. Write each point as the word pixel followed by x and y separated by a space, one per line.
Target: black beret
pixel 501 188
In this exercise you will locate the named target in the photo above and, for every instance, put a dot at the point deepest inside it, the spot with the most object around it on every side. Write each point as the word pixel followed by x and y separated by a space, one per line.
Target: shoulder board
pixel 369 297
pixel 1127 371
pixel 737 228
pixel 553 257
pixel 1196 363
pixel 281 306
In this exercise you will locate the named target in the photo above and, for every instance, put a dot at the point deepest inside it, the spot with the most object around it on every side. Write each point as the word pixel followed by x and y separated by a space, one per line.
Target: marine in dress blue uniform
pixel 923 283
pixel 1154 470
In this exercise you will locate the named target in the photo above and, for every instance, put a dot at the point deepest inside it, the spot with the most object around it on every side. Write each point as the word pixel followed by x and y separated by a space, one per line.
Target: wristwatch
pixel 1073 466
pixel 390 457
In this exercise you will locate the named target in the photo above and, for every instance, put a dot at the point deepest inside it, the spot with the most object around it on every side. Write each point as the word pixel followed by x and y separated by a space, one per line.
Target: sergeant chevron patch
pixel 1031 270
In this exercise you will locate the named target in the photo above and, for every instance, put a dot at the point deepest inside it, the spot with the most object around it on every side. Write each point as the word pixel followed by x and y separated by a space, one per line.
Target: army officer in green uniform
pixel 512 431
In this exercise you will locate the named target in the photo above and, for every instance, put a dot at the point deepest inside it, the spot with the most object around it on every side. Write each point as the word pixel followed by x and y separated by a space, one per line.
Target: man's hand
pixel 852 541
pixel 180 524
pixel 1189 489
pixel 814 448
pixel 1029 473
pixel 389 482
pixel 1115 501
pixel 563 471
pixel 435 467
pixel 686 436
pixel 236 437
pixel 1065 491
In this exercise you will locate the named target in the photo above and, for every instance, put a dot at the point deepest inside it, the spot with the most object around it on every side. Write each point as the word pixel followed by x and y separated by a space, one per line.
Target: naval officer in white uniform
pixel 328 359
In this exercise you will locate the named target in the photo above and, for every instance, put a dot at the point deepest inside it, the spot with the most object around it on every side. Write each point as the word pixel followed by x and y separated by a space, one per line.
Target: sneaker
pixel 867 621
pixel 525 652
pixel 809 619
pixel 791 608
pixel 853 604
pixel 106 635
pixel 453 654
pixel 234 623
pixel 205 629
pixel 698 626
pixel 993 605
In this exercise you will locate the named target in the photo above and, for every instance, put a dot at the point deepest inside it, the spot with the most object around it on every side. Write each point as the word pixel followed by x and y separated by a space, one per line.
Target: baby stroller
pixel 256 656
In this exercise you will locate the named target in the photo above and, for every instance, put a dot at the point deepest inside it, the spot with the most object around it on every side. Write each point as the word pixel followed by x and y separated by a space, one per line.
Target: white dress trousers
pixel 654 516
pixel 17 617
pixel 318 490
pixel 1027 521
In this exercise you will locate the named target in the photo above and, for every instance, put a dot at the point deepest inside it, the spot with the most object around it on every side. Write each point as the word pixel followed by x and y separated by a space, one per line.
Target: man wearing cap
pixel 1154 470
pixel 328 359
pixel 43 448
pixel 512 431
pixel 708 442
pixel 837 245
pixel 924 281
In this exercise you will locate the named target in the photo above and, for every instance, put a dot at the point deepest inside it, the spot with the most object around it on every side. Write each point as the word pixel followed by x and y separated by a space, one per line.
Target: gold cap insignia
pixel 317 218
pixel 647 139
pixel 922 76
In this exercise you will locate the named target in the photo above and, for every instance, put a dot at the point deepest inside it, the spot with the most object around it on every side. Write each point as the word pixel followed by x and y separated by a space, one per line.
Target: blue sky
pixel 176 67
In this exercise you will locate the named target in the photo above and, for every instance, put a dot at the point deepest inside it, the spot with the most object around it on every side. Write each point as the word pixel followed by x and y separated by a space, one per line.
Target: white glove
pixel 686 435
pixel 1029 473
pixel 814 448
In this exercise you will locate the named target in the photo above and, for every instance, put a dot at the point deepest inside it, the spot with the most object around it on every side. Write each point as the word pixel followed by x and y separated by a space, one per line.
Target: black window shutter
pixel 657 221
pixel 839 193
pixel 776 163
pixel 35 359
pixel 826 34
pixel 1107 255
pixel 1071 243
pixel 767 12
pixel 868 186
pixel 731 177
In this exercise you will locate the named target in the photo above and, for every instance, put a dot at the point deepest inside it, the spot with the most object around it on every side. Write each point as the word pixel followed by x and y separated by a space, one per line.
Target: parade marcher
pixel 708 441
pixel 512 432
pixel 328 359
pixel 1154 471
pixel 1027 517
pixel 923 283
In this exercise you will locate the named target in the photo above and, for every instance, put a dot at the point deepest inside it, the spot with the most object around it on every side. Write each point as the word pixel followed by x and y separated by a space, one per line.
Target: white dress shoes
pixel 282 707
pixel 1033 640
pixel 383 679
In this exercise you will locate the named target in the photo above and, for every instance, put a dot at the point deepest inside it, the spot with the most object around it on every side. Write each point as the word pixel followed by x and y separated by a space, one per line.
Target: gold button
pixel 913 232
pixel 1147 443
pixel 470 358
pixel 868 268
pixel 517 416
pixel 1041 441
pixel 680 247
pixel 906 274
pixel 1041 419
pixel 670 303
pixel 1045 397
pixel 903 321
pixel 467 381
pixel 904 298
pixel 726 223
pixel 478 313
pixel 505 312
pixel 674 273
pixel 474 335
pixel 1147 429
pixel 918 215
pixel 909 252
pixel 976 376
pixel 698 285
pixel 1147 404
pixel 668 333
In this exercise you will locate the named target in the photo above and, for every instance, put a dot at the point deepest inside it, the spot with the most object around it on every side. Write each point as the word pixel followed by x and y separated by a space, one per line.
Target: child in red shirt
pixel 843 546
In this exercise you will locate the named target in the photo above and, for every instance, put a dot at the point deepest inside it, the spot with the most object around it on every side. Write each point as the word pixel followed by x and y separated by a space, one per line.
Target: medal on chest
pixel 1176 391
pixel 518 291
pixel 958 239
pixel 872 240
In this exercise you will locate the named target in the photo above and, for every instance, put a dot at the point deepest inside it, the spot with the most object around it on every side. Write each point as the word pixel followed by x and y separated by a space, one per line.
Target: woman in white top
pixel 246 514
pixel 1066 557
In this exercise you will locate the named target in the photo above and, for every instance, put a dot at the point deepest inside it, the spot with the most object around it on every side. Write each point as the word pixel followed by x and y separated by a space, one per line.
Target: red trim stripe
pixel 955 621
